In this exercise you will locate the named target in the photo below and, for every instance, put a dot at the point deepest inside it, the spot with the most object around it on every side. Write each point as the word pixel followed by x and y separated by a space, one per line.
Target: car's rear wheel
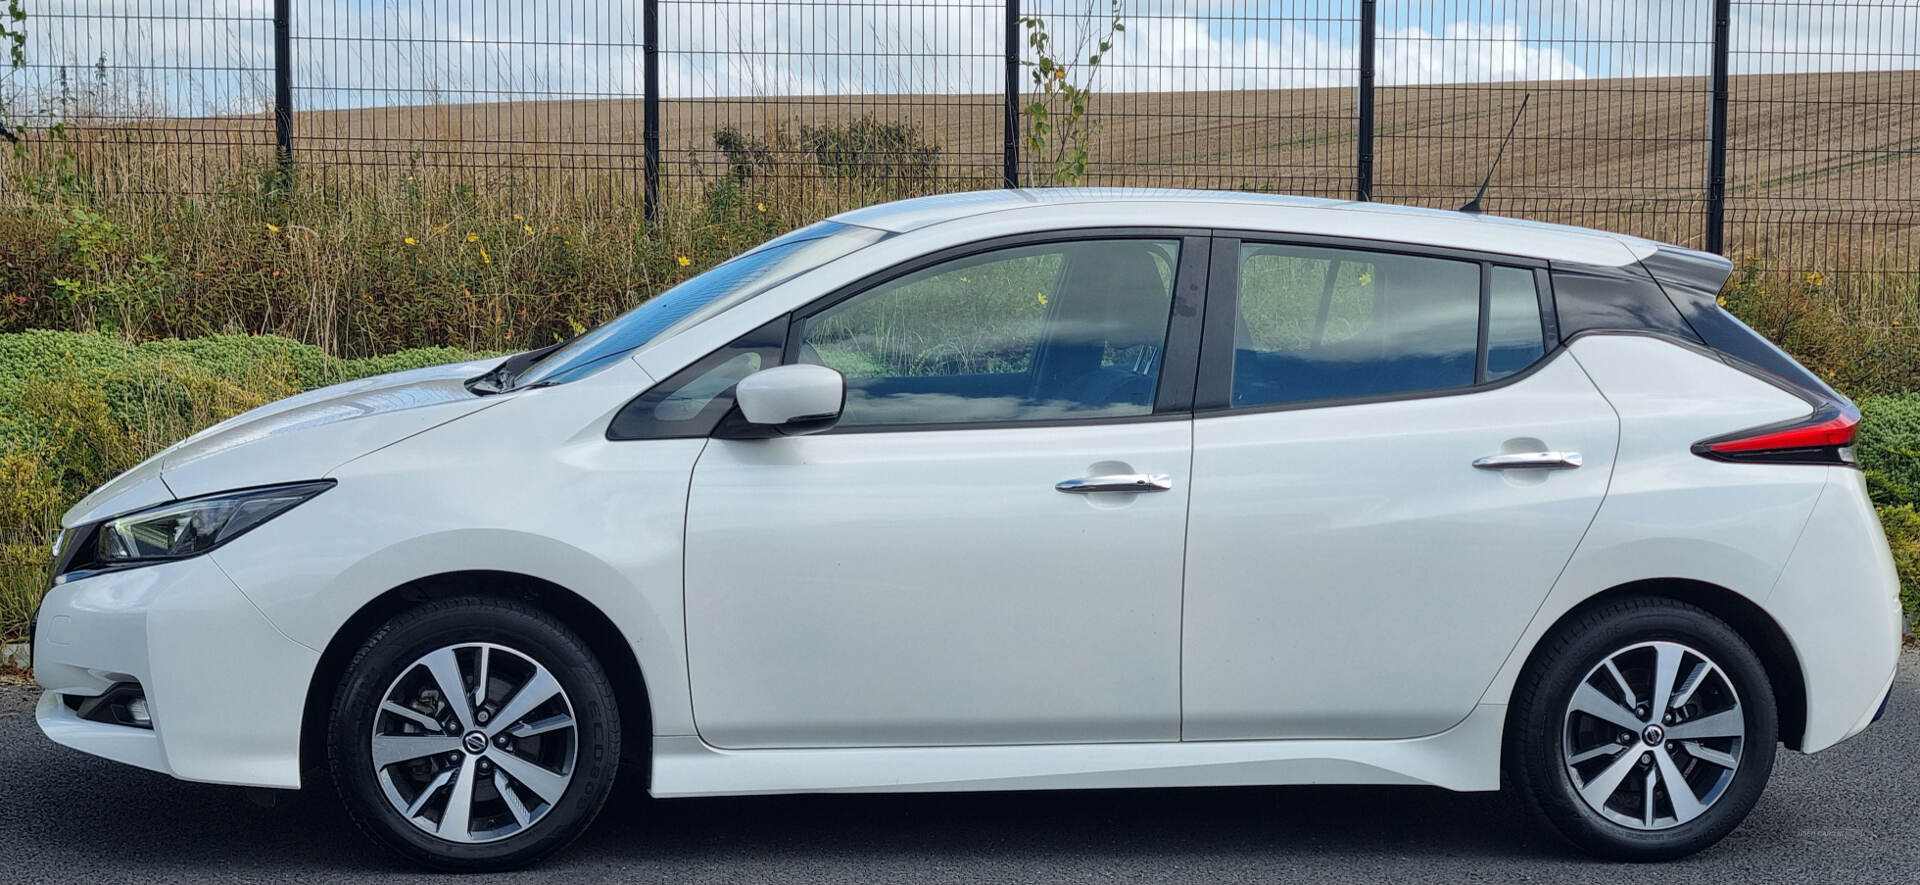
pixel 474 734
pixel 1643 730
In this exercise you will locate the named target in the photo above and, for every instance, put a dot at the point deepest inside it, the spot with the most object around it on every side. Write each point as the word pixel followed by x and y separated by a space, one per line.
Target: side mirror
pixel 791 400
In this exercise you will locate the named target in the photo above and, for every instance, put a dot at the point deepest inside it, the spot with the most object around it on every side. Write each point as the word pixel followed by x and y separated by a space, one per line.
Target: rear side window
pixel 1515 335
pixel 1317 323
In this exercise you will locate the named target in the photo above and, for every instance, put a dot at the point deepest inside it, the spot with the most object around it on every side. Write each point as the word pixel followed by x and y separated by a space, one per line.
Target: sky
pixel 193 57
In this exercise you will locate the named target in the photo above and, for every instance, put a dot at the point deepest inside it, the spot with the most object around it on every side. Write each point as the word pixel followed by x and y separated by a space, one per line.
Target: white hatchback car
pixel 1020 490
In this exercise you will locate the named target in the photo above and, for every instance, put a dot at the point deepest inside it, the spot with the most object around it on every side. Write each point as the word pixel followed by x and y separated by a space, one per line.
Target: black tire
pixel 1541 729
pixel 537 636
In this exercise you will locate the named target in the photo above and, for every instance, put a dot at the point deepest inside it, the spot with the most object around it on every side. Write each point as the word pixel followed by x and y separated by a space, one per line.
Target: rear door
pixel 1391 467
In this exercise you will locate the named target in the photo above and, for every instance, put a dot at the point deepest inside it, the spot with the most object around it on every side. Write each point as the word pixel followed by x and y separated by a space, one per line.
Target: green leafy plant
pixel 1889 448
pixel 872 151
pixel 1059 131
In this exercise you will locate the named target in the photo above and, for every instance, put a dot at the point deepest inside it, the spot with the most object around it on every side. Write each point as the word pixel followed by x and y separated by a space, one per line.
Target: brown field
pixel 1823 170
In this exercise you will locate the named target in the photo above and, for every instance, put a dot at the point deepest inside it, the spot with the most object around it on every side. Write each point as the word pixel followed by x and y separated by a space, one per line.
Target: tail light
pixel 1824 437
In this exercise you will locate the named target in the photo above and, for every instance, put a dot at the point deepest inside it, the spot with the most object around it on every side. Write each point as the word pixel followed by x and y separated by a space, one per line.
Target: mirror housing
pixel 791 400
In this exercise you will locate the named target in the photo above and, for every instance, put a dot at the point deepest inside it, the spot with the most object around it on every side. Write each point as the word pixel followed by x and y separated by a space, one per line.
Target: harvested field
pixel 1822 169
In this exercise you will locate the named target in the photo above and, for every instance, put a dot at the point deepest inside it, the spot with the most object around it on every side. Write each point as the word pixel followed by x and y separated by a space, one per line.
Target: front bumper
pixel 226 689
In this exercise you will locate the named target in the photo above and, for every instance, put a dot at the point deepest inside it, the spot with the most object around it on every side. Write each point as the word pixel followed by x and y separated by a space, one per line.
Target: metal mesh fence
pixel 1784 132
pixel 496 90
pixel 1823 165
pixel 160 96
pixel 1199 94
pixel 1614 131
pixel 850 97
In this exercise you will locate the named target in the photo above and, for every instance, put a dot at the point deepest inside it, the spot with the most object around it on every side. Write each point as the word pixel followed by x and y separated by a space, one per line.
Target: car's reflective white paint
pixel 921 610
pixel 1358 540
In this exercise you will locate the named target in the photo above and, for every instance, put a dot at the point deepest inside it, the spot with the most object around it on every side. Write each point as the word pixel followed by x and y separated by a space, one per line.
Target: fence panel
pixel 149 96
pixel 1614 134
pixel 1255 96
pixel 1824 149
pixel 500 91
pixel 833 101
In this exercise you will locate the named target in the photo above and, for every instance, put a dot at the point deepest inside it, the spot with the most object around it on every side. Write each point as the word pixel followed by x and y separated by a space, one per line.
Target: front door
pixel 936 570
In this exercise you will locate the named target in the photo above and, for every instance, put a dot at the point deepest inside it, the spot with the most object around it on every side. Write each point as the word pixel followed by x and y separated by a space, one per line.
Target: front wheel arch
pixel 606 641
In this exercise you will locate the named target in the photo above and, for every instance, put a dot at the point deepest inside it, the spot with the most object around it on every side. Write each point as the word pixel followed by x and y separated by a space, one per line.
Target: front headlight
pixel 185 528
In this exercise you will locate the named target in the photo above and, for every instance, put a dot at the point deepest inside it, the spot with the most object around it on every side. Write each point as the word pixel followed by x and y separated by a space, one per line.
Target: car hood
pixel 298 438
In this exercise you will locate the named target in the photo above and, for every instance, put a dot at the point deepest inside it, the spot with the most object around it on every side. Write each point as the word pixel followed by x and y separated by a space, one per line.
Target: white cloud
pixel 1469 52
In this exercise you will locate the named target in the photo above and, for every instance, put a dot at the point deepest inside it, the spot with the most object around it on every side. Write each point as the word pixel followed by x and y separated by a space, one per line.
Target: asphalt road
pixel 1851 814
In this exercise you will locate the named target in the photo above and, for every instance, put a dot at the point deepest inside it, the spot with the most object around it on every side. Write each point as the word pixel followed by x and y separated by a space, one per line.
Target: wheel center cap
pixel 475 742
pixel 1654 735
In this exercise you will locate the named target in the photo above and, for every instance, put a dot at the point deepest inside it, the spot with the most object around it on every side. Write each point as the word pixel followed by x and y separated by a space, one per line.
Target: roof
pixel 1271 212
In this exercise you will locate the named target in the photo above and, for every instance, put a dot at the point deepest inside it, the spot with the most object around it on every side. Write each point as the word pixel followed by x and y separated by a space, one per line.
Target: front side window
pixel 1025 333
pixel 1316 323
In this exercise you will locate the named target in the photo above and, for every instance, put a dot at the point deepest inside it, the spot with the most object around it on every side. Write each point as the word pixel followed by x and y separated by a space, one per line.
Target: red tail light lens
pixel 1825 437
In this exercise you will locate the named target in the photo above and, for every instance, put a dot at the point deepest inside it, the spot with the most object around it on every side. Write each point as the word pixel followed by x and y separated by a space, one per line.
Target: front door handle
pixel 1530 461
pixel 1119 482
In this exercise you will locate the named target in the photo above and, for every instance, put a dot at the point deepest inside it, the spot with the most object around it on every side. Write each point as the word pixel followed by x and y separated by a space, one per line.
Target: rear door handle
pixel 1119 482
pixel 1530 461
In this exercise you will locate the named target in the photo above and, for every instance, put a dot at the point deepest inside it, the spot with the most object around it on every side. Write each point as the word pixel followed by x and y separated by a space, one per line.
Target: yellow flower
pixel 473 238
pixel 412 242
pixel 519 218
pixel 684 260
pixel 273 228
pixel 484 257
pixel 1722 300
pixel 760 206
pixel 1041 297
pixel 528 228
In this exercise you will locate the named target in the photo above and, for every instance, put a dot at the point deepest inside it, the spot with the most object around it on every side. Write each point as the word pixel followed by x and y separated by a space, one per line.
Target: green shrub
pixel 1889 447
pixel 366 267
pixel 1861 333
pixel 1903 535
pixel 76 409
pixel 872 151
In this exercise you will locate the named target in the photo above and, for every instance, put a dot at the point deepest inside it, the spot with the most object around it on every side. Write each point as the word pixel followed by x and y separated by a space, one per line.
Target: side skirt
pixel 1464 757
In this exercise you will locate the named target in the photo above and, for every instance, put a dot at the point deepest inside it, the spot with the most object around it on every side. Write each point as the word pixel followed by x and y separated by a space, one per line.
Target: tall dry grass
pixel 370 260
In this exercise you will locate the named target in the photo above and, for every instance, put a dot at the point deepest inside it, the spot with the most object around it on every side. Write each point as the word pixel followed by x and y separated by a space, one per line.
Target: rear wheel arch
pixel 606 641
pixel 1755 626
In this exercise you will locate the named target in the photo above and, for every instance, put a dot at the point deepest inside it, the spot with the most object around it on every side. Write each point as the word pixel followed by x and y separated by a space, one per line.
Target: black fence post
pixel 283 85
pixel 1363 162
pixel 1010 125
pixel 1717 132
pixel 650 105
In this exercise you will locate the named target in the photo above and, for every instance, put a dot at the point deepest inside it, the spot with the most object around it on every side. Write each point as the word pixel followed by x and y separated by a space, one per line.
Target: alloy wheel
pixel 474 742
pixel 1653 735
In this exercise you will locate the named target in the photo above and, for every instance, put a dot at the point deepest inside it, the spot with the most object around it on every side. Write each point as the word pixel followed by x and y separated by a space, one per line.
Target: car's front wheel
pixel 474 734
pixel 1644 730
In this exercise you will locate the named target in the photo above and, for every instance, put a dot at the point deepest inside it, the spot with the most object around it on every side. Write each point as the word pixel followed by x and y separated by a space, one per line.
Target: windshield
pixel 682 306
